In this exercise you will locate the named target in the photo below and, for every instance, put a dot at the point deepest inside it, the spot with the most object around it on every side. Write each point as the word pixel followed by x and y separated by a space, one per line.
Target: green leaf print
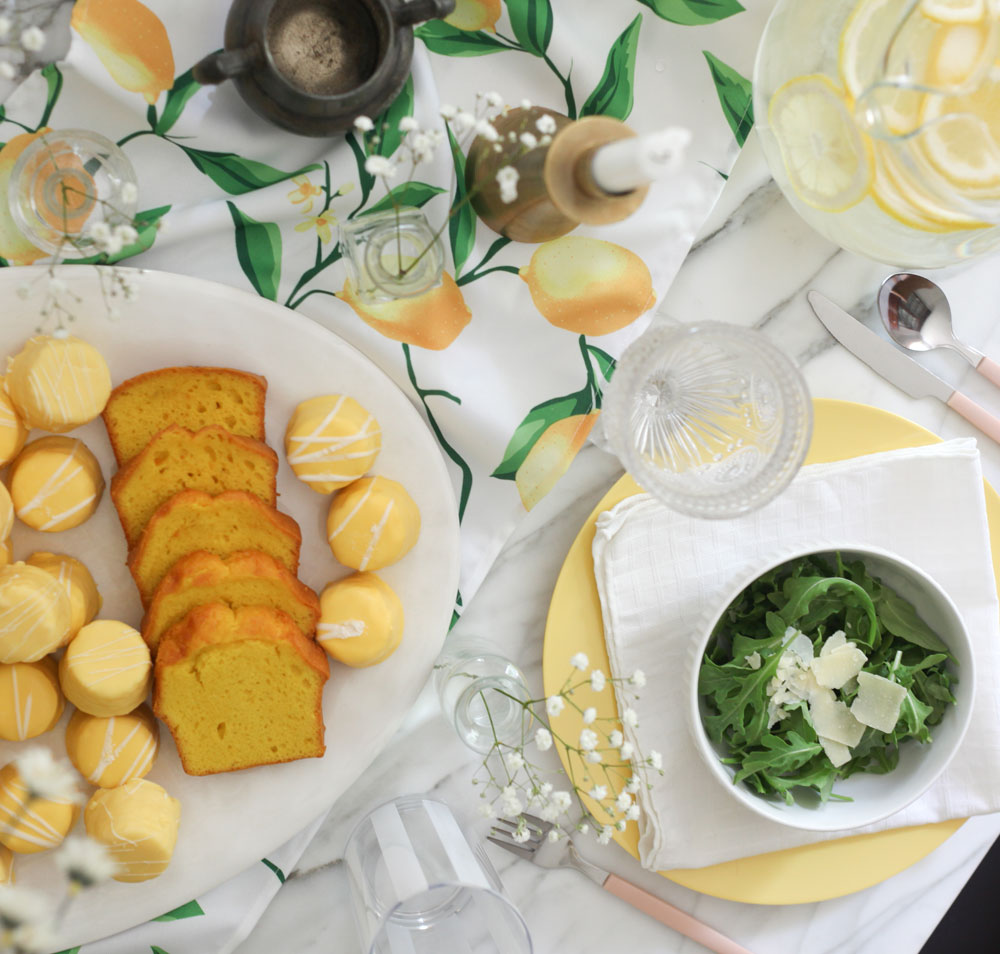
pixel 387 125
pixel 278 873
pixel 734 95
pixel 258 248
pixel 147 229
pixel 190 910
pixel 604 361
pixel 441 37
pixel 531 21
pixel 693 12
pixel 414 194
pixel 613 94
pixel 158 950
pixel 462 224
pixel 535 423
pixel 53 83
pixel 70 950
pixel 185 86
pixel 236 175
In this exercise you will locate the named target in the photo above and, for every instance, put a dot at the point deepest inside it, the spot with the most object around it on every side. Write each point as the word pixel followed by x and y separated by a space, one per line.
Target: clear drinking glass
pixel 419 886
pixel 64 183
pixel 392 254
pixel 711 418
pixel 482 694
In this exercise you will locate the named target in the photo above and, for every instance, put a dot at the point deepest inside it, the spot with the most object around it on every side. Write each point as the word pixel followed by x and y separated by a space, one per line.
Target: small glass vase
pixel 392 254
pixel 66 182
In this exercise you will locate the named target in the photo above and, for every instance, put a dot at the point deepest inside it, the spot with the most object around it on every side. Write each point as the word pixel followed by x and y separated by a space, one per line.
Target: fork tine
pixel 536 822
pixel 509 825
pixel 520 850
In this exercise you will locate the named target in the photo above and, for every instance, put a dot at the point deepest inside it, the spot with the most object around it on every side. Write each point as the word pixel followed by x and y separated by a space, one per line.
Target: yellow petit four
pixel 34 613
pixel 137 822
pixel 372 523
pixel 6 553
pixel 13 433
pixel 106 669
pixel 30 699
pixel 84 600
pixel 6 514
pixel 361 620
pixel 28 823
pixel 57 384
pixel 112 751
pixel 6 866
pixel 331 441
pixel 55 483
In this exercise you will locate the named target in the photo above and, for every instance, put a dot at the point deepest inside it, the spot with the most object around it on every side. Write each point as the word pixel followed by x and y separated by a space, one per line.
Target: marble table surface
pixel 752 265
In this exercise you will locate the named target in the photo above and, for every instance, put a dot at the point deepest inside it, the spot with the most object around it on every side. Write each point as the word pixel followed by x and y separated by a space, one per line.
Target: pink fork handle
pixel 989 370
pixel 975 415
pixel 672 917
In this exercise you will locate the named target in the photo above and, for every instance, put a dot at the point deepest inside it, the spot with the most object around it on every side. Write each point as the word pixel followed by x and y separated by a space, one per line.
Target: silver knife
pixel 896 367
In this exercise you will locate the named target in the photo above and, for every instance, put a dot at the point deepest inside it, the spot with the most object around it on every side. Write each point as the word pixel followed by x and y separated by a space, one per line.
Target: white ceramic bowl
pixel 874 796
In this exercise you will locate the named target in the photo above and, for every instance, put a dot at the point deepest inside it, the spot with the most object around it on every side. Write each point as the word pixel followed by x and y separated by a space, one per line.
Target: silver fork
pixel 563 854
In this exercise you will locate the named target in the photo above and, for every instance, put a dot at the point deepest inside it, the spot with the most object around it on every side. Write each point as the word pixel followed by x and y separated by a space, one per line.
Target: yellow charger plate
pixel 818 872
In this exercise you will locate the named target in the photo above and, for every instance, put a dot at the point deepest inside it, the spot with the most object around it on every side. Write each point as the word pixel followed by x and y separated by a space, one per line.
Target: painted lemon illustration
pixel 13 245
pixel 432 320
pixel 587 285
pixel 130 41
pixel 551 456
pixel 474 15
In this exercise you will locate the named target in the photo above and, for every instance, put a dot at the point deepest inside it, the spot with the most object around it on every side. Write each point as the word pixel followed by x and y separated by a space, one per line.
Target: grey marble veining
pixel 753 264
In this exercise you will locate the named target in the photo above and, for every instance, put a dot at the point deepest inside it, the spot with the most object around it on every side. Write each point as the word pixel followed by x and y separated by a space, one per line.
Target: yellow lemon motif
pixel 13 245
pixel 551 456
pixel 130 41
pixel 587 285
pixel 474 15
pixel 432 320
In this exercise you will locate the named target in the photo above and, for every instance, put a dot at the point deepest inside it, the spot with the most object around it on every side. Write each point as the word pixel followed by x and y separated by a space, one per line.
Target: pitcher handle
pixel 221 65
pixel 417 11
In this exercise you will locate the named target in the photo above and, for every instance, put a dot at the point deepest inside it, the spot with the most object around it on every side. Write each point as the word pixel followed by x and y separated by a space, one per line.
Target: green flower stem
pixel 566 85
pixel 315 291
pixel 136 135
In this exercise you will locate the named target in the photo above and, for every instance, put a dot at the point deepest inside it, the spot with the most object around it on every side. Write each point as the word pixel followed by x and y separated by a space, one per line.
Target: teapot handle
pixel 417 11
pixel 221 65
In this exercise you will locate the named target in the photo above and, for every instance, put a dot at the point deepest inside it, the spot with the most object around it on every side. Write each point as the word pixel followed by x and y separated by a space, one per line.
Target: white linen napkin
pixel 658 572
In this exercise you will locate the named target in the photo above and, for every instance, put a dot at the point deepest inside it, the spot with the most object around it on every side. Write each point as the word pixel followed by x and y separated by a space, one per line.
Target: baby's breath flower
pixel 554 705
pixel 23 906
pixel 486 809
pixel 7 70
pixel 34 939
pixel 44 777
pixel 380 166
pixel 447 112
pixel 598 793
pixel 408 124
pixel 626 750
pixel 632 785
pixel 363 124
pixel 507 179
pixel 554 835
pixel 514 760
pixel 632 813
pixel 528 140
pixel 597 682
pixel 543 740
pixel 605 836
pixel 583 828
pixel 545 140
pixel 487 131
pixel 562 801
pixel 655 759
pixel 59 332
pixel 464 122
pixel 510 801
pixel 125 234
pixel 593 756
pixel 545 124
pixel 621 824
pixel 32 39
pixel 521 835
pixel 85 862
pixel 589 714
pixel 630 717
pixel 638 678
pixel 615 738
pixel 129 192
pixel 588 739
pixel 57 286
pixel 493 100
pixel 623 801
pixel 525 104
pixel 580 661
pixel 5 25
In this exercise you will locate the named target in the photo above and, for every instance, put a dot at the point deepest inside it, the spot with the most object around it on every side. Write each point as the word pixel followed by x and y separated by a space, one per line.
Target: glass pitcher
pixel 880 120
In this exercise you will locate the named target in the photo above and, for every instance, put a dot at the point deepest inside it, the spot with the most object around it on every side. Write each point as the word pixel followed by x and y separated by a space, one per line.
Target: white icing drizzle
pixel 354 510
pixel 55 482
pixel 349 629
pixel 110 753
pixel 92 660
pixel 59 517
pixel 329 445
pixel 47 387
pixel 376 535
pixel 31 608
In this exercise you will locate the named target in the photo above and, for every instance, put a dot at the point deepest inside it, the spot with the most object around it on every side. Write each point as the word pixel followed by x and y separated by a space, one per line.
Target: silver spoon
pixel 917 316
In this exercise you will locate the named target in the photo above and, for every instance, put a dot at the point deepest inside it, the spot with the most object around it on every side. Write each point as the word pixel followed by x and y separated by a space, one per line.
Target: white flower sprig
pixel 602 764
pixel 85 863
pixel 21 36
pixel 45 777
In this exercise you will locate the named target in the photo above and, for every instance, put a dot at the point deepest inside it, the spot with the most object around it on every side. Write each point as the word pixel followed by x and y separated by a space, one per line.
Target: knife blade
pixel 897 368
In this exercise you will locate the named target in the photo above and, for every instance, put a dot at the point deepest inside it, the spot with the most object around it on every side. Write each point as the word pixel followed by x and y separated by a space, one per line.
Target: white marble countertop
pixel 752 266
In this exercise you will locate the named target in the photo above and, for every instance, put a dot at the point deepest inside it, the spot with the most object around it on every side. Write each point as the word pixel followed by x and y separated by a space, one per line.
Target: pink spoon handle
pixel 975 415
pixel 989 370
pixel 675 918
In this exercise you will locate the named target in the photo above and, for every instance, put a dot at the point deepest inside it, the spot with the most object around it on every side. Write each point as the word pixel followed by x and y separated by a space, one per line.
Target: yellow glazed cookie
pixel 13 433
pixel 29 824
pixel 55 483
pixel 6 867
pixel 34 613
pixel 6 553
pixel 30 699
pixel 110 752
pixel 106 669
pixel 6 514
pixel 84 600
pixel 372 523
pixel 330 441
pixel 137 822
pixel 361 620
pixel 57 384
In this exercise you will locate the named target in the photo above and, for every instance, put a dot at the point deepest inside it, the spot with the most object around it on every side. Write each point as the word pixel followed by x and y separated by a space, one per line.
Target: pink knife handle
pixel 975 415
pixel 679 920
pixel 989 370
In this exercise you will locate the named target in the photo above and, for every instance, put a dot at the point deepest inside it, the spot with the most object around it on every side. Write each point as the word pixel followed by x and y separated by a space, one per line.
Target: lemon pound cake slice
pixel 247 578
pixel 141 407
pixel 223 525
pixel 177 459
pixel 239 688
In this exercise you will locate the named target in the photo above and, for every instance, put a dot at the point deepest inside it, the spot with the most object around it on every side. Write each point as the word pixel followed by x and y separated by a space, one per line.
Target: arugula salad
pixel 818 671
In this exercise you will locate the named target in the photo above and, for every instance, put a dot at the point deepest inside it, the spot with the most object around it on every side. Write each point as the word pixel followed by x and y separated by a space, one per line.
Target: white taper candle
pixel 630 163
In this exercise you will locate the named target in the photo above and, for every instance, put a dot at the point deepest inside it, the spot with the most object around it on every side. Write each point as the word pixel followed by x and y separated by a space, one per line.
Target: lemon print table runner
pixel 508 357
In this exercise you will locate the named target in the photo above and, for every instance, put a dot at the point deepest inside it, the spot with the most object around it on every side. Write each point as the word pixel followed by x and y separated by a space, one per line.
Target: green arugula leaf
pixel 779 754
pixel 735 96
pixel 236 175
pixel 693 12
pixel 443 38
pixel 531 21
pixel 185 86
pixel 901 619
pixel 258 249
pixel 414 194
pixel 803 592
pixel 613 94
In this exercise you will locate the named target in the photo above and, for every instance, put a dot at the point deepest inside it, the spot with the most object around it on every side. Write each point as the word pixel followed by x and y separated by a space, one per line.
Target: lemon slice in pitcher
pixel 829 164
pixel 962 137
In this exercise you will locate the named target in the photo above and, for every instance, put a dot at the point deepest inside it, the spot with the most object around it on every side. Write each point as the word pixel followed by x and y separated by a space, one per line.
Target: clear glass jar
pixel 880 120
pixel 64 183
pixel 391 254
